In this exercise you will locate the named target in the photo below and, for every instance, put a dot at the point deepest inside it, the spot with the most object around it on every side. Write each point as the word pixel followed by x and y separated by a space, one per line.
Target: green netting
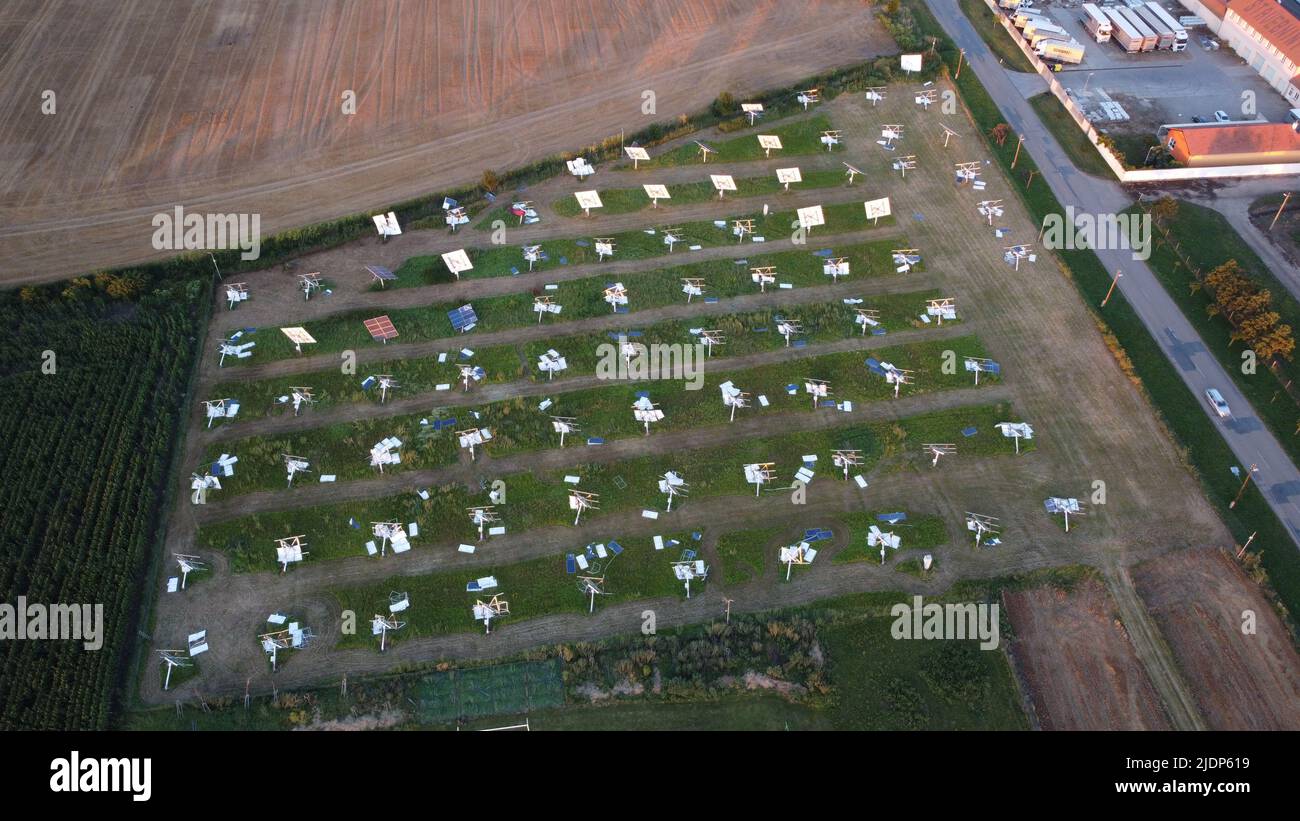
pixel 509 689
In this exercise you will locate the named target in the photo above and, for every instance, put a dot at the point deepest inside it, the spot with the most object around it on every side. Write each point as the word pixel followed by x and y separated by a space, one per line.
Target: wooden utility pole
pixel 960 55
pixel 1113 283
pixel 1242 552
pixel 728 603
pixel 1285 199
pixel 1242 489
pixel 1030 181
pixel 1020 140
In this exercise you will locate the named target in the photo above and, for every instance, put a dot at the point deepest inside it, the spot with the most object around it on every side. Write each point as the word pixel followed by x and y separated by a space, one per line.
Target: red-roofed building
pixel 1265 33
pixel 1234 144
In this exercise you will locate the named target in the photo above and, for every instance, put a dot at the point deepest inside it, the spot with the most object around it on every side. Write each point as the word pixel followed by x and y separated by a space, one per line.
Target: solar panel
pixel 463 318
pixel 381 328
pixel 381 273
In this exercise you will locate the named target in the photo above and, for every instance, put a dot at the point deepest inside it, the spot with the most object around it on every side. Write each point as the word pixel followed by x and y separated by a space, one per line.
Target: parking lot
pixel 1160 86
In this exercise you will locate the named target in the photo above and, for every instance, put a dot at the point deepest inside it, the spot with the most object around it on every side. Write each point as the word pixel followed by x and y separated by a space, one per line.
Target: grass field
pixel 581 298
pixel 821 321
pixel 629 200
pixel 798 138
pixel 342 449
pixel 536 500
pixel 919 531
pixel 744 554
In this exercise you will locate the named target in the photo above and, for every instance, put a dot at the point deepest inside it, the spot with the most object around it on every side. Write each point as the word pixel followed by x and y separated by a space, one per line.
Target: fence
pixel 1116 165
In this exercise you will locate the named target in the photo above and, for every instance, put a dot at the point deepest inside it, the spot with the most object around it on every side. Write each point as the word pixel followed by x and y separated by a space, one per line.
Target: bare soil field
pixel 1241 681
pixel 1081 667
pixel 235 106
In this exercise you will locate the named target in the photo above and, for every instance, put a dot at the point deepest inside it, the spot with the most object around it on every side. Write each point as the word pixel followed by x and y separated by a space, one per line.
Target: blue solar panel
pixel 799 343
pixel 892 518
pixel 595 440
pixel 761 330
pixel 582 243
pixel 472 587
pixel 697 535
pixel 825 252
pixel 620 309
pixel 570 564
pixel 563 260
pixel 490 196
pixel 877 331
pixel 615 547
pixel 971 431
pixel 439 424
pixel 642 394
pixel 368 383
pixel 462 317
pixel 741 261
pixel 381 272
pixel 994 367
pixel 635 334
pixel 828 403
pixel 709 300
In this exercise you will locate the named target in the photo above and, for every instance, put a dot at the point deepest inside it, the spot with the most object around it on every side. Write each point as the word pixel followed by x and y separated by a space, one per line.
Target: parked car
pixel 1218 403
pixel 1198 119
pixel 1222 117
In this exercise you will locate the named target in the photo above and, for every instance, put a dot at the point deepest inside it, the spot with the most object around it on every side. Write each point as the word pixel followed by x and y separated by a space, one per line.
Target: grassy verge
pixel 1204 235
pixel 918 532
pixel 998 38
pixel 1071 138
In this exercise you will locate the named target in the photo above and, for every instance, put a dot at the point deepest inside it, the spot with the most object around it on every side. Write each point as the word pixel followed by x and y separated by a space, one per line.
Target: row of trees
pixel 1249 310
pixel 82 479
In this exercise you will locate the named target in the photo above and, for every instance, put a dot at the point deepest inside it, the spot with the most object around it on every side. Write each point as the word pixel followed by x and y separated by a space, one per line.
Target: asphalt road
pixel 1249 439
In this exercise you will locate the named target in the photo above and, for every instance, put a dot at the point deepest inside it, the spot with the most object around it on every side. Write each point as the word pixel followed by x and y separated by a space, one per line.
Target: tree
pixel 490 182
pixel 725 105
pixel 1000 132
pixel 1165 209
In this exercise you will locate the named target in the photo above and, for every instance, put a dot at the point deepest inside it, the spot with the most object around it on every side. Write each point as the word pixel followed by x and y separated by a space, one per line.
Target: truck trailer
pixel 1123 32
pixel 1144 31
pixel 1049 35
pixel 1097 23
pixel 1164 34
pixel 1061 52
pixel 1043 26
pixel 1025 16
pixel 1180 32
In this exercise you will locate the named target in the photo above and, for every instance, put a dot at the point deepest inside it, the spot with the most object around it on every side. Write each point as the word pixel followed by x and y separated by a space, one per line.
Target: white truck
pixel 1123 32
pixel 1180 32
pixel 1061 52
pixel 1148 36
pixel 1097 23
